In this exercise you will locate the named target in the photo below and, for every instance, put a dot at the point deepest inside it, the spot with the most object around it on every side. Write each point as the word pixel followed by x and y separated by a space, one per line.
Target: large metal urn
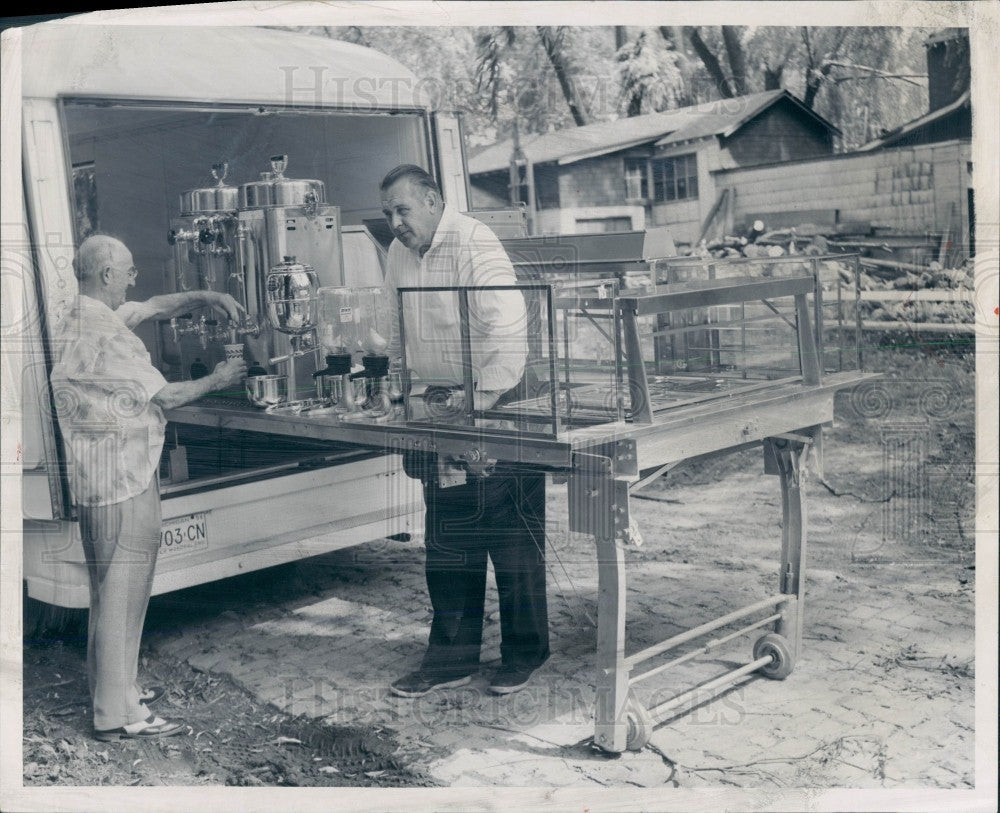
pixel 257 194
pixel 211 199
pixel 294 191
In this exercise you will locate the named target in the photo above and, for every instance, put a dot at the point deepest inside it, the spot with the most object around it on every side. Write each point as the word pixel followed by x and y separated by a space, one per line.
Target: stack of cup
pixel 234 351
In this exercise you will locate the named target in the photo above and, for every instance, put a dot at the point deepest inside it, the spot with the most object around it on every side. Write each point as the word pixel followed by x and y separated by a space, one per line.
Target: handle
pixel 219 171
pixel 278 164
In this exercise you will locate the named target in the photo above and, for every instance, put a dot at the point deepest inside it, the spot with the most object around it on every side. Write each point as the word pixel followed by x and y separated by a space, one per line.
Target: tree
pixel 495 46
pixel 817 68
pixel 737 59
pixel 649 74
pixel 552 41
pixel 863 79
pixel 850 75
pixel 711 62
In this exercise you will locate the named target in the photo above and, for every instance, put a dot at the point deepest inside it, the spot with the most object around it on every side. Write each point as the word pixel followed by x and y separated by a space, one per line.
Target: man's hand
pixel 225 374
pixel 228 372
pixel 226 305
pixel 486 399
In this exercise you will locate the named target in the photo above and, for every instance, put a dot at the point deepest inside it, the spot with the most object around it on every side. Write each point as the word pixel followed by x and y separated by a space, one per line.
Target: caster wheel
pixel 778 648
pixel 640 725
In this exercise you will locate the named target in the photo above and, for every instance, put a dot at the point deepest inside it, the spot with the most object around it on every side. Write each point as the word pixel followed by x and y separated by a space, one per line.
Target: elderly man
pixel 110 401
pixel 501 516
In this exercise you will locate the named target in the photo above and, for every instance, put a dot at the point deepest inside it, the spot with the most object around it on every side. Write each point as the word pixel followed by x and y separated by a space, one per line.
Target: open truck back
pixel 118 122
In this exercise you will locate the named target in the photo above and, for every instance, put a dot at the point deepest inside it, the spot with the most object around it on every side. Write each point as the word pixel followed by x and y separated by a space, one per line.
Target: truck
pixel 139 132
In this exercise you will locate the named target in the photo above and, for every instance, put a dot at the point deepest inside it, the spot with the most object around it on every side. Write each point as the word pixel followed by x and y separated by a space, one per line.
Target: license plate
pixel 180 535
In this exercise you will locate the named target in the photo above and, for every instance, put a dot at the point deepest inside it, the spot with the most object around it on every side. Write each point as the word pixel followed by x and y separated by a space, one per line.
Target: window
pixel 636 182
pixel 675 178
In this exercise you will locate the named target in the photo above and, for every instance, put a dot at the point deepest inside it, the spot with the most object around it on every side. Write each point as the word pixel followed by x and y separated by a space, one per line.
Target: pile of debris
pixel 941 295
pixel 757 241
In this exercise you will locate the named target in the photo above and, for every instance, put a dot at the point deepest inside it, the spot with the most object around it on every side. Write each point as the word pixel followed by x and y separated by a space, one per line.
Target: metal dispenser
pixel 206 258
pixel 292 309
pixel 232 239
pixel 335 387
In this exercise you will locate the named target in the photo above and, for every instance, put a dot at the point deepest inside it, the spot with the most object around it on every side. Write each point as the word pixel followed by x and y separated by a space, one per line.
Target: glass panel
pixel 839 342
pixel 457 341
pixel 659 193
pixel 563 346
pixel 704 353
pixel 635 178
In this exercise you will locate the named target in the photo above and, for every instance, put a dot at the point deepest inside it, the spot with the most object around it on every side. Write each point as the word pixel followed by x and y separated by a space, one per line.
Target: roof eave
pixel 928 118
pixel 783 95
pixel 597 152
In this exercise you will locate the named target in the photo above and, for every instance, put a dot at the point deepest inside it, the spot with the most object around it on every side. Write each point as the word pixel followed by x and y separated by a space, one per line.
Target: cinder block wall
pixel 908 189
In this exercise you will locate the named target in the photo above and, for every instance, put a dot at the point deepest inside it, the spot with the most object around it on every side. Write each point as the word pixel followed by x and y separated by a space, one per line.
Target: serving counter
pixel 680 406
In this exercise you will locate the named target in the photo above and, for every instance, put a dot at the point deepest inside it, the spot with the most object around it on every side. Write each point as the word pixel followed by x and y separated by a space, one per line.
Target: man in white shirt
pixel 500 517
pixel 110 400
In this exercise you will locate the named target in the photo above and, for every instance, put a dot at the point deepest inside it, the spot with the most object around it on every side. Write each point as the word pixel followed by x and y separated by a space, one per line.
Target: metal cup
pixel 267 390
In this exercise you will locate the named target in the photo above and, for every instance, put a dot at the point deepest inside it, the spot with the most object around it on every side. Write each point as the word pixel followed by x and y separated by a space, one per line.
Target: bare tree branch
pixel 876 74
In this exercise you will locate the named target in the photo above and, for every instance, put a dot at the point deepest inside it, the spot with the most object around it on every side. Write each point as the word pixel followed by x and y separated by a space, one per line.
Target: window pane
pixel 635 178
pixel 675 178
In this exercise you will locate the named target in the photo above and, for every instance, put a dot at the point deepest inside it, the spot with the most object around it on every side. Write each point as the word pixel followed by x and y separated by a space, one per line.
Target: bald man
pixel 110 401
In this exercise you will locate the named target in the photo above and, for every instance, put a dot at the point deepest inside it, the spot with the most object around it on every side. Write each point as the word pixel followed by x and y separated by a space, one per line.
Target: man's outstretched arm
pixel 166 306
pixel 226 373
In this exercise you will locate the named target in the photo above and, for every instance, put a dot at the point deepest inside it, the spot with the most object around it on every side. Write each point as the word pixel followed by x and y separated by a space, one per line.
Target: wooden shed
pixel 651 170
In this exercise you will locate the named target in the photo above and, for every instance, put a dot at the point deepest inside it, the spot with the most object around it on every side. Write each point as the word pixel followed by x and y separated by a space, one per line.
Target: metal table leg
pixel 785 457
pixel 612 677
pixel 598 505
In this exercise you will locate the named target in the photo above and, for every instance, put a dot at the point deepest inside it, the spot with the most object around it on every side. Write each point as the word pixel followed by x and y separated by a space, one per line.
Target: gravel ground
pixel 884 698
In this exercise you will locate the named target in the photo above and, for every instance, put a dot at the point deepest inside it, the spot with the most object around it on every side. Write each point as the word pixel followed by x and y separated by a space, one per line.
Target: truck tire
pixel 46 621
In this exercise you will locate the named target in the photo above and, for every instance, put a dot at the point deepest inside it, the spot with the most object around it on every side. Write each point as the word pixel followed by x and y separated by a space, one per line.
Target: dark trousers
pixel 501 517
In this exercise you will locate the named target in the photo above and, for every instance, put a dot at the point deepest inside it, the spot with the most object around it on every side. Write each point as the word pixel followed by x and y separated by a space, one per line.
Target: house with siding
pixel 657 169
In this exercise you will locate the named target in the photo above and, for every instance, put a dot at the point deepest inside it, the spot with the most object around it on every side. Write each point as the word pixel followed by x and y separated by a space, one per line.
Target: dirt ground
pixel 281 674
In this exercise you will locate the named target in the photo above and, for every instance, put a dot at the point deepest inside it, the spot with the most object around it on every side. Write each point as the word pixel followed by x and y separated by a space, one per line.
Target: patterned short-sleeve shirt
pixel 102 385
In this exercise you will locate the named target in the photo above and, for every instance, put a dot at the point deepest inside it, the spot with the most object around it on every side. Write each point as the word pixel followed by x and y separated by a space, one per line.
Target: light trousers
pixel 121 542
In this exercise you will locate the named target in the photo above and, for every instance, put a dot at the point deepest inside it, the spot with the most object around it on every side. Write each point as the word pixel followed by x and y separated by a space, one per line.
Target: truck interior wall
pixel 143 160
